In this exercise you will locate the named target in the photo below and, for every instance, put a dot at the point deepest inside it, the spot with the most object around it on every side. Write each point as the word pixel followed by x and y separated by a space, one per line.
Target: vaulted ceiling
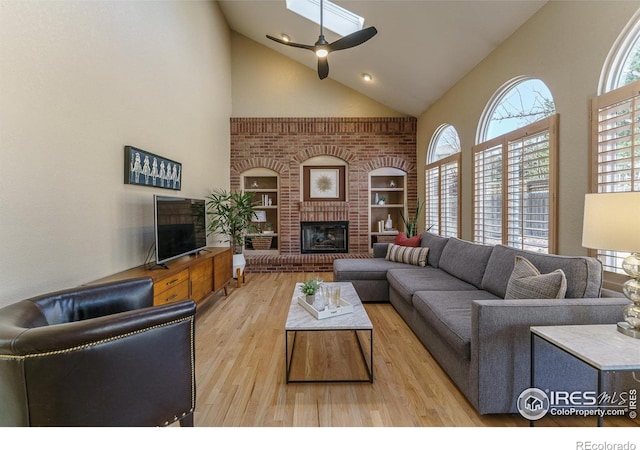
pixel 423 47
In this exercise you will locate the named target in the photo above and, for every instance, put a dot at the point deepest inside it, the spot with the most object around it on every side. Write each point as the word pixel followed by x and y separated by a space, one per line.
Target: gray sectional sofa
pixel 455 305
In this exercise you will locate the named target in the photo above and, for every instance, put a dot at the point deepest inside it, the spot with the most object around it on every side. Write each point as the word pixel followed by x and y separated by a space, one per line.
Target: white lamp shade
pixel 259 216
pixel 612 221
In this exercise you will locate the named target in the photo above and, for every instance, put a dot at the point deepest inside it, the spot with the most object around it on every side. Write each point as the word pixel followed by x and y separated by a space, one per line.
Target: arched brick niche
pixel 364 144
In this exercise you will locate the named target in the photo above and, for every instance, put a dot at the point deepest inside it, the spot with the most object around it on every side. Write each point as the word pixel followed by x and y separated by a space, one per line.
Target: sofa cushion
pixel 364 269
pixel 407 281
pixel 416 256
pixel 583 273
pixel 402 239
pixel 465 260
pixel 435 244
pixel 527 282
pixel 448 315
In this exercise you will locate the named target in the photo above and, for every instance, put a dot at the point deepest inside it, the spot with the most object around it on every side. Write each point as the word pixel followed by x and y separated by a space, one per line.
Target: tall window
pixel 515 169
pixel 615 127
pixel 442 201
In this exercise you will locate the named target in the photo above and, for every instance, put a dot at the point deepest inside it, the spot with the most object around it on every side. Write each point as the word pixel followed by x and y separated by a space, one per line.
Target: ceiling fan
pixel 322 48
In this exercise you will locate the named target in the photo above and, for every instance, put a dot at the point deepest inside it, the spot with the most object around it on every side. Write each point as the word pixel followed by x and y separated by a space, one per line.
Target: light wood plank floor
pixel 240 372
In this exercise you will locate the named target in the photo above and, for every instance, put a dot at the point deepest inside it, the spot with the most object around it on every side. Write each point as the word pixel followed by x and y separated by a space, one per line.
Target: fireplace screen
pixel 324 237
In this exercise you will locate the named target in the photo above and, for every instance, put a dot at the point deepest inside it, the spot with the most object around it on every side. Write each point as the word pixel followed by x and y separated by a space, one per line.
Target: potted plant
pixel 231 213
pixel 382 200
pixel 411 223
pixel 309 289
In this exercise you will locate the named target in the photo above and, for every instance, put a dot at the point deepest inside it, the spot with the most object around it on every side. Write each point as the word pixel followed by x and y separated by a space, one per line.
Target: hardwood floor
pixel 240 372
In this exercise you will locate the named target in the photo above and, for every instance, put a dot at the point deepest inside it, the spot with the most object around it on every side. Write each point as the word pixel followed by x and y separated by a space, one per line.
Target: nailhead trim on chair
pixel 92 344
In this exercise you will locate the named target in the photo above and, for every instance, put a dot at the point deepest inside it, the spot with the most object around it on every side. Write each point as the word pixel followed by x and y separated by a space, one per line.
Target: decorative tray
pixel 343 308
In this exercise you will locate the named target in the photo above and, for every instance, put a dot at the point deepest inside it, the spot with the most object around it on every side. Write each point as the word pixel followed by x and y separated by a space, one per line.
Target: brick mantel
pixel 323 211
pixel 363 144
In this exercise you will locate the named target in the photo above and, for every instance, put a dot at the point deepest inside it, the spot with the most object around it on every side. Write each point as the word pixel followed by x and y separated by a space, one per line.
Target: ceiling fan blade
pixel 353 39
pixel 291 44
pixel 323 68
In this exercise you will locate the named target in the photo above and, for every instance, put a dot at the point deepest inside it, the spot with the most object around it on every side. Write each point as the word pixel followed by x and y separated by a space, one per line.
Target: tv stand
pixel 198 277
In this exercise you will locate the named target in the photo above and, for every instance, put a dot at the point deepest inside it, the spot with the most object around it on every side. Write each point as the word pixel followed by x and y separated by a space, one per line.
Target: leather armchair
pixel 97 356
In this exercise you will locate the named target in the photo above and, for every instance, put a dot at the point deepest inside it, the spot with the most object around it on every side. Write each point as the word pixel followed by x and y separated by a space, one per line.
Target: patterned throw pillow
pixel 408 255
pixel 403 240
pixel 526 281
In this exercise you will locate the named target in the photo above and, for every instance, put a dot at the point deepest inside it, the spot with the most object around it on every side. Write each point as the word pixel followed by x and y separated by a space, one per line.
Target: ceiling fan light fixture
pixel 322 53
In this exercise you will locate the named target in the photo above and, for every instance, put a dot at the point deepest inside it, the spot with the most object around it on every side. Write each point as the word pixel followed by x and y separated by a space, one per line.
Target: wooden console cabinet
pixel 196 277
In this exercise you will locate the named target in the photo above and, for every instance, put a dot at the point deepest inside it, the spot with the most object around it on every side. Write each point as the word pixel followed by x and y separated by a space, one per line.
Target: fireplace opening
pixel 324 237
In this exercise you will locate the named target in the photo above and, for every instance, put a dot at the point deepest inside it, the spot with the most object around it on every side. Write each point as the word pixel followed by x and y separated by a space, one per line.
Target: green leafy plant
pixel 310 287
pixel 231 213
pixel 411 223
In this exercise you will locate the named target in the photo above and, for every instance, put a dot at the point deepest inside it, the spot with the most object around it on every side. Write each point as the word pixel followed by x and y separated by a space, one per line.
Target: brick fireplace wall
pixel 284 144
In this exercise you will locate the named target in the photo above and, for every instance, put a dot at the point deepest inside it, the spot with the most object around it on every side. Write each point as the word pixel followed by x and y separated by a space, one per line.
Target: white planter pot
pixel 239 262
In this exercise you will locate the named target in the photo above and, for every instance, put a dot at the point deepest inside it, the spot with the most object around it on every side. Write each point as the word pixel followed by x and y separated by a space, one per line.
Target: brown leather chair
pixel 97 356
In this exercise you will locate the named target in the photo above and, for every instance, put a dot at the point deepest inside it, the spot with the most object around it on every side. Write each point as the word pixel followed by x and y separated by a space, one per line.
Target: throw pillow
pixel 526 281
pixel 408 255
pixel 403 240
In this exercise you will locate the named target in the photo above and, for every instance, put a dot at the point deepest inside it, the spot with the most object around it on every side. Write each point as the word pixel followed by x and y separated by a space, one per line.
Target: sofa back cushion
pixel 465 260
pixel 584 274
pixel 435 244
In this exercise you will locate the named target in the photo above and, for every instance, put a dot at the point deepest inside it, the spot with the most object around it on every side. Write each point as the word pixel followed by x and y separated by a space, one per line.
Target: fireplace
pixel 324 237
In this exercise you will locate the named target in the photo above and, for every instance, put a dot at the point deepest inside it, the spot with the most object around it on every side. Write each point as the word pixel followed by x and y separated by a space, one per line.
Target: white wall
pixel 268 84
pixel 565 44
pixel 78 81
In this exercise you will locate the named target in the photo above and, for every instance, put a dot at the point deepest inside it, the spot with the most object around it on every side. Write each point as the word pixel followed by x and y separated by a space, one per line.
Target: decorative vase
pixel 310 298
pixel 388 224
pixel 376 200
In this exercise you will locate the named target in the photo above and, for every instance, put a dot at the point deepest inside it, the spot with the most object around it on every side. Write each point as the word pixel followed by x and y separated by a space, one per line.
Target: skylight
pixel 335 18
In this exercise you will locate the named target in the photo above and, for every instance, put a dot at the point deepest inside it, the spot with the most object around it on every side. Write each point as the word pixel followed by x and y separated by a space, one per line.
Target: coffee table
pixel 356 323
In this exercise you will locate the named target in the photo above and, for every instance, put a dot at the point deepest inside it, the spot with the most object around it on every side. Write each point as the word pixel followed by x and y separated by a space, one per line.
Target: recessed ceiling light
pixel 367 77
pixel 285 37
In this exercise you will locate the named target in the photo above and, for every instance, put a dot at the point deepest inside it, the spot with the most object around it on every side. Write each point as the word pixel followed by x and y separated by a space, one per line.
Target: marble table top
pixel 602 346
pixel 300 319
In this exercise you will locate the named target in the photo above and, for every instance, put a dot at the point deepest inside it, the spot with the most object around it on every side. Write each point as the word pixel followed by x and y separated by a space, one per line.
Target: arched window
pixel 622 66
pixel 615 120
pixel 442 202
pixel 445 142
pixel 518 103
pixel 514 168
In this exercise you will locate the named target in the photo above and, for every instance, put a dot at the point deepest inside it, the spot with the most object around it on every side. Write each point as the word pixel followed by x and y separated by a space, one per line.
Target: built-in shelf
pixel 387 184
pixel 264 184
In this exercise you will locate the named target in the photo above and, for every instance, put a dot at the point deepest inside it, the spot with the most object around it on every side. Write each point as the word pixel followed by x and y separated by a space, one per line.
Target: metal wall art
pixel 146 169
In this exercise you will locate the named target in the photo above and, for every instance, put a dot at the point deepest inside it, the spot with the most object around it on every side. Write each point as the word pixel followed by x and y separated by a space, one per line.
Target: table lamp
pixel 612 222
pixel 260 217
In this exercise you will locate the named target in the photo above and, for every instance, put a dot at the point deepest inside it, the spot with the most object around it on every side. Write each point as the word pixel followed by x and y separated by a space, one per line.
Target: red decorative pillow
pixel 403 240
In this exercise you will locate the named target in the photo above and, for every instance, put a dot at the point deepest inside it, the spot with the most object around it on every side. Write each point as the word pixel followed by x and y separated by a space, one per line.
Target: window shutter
pixel 615 131
pixel 441 196
pixel 515 188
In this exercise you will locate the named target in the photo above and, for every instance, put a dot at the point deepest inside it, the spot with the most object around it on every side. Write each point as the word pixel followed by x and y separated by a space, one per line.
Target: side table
pixel 600 346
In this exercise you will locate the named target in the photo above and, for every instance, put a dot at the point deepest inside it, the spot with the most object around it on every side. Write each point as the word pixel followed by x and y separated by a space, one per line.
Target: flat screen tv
pixel 180 227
